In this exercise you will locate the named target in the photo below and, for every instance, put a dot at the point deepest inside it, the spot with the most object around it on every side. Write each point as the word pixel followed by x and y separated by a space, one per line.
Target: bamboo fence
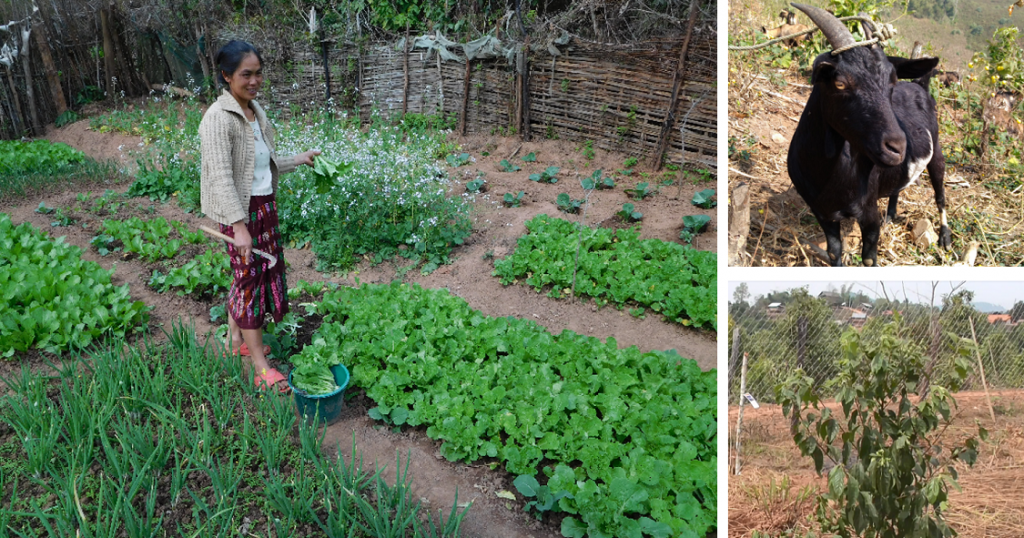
pixel 618 96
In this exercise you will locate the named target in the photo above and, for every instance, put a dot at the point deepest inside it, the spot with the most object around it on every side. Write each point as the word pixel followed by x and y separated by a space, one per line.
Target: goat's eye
pixel 840 85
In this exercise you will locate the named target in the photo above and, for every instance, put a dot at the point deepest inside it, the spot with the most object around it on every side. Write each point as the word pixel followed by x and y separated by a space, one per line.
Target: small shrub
pixel 588 150
pixel 628 213
pixel 456 161
pixel 66 118
pixel 568 204
pixel 547 176
pixel 692 226
pixel 891 474
pixel 513 200
pixel 705 199
pixel 641 191
pixel 506 166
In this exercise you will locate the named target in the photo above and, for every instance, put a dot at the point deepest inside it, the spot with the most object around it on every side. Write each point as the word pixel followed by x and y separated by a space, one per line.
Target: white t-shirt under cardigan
pixel 263 183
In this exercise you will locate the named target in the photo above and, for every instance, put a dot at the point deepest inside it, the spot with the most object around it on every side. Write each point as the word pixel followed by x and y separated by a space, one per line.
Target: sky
pixel 1004 294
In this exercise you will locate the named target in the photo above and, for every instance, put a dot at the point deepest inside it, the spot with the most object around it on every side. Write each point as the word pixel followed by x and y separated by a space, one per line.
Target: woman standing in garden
pixel 239 178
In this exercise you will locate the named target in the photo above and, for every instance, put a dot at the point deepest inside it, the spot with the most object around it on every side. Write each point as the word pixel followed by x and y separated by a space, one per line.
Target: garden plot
pixel 496 229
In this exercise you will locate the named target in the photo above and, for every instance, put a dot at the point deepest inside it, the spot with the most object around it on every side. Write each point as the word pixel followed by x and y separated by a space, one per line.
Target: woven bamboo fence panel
pixel 617 96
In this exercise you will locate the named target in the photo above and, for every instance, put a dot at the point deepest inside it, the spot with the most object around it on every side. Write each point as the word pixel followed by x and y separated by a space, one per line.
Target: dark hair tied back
pixel 231 55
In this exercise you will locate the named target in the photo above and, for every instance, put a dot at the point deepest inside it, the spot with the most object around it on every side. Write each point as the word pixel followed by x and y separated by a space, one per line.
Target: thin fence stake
pixel 981 370
pixel 739 416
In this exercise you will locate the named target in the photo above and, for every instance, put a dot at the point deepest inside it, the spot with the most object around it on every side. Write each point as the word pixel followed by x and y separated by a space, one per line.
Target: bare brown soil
pixel 496 228
pixel 988 504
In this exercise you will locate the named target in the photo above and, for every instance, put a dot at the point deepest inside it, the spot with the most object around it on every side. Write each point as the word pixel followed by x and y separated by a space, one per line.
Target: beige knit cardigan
pixel 228 148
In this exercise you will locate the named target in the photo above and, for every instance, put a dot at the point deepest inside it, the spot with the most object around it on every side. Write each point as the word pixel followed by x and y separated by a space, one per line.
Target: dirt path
pixel 435 480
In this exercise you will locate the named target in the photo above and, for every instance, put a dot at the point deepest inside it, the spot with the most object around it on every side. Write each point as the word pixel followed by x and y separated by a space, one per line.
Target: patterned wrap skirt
pixel 257 290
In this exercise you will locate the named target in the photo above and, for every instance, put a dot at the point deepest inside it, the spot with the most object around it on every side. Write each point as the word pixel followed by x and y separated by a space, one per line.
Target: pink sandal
pixel 244 350
pixel 272 378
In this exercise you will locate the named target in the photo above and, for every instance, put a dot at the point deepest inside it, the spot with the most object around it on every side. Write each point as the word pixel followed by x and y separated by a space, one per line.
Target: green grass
pixel 19 183
pixel 172 440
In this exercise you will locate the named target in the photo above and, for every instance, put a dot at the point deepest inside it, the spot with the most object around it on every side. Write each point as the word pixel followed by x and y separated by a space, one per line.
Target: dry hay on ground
pixel 987 506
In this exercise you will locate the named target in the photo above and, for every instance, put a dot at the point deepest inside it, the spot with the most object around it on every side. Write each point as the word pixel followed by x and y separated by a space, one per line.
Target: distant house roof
pixel 858 315
pixel 775 305
pixel 999 318
pixel 867 306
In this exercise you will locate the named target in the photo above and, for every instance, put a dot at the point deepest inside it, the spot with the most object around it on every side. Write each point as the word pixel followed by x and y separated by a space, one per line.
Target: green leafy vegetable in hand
pixel 328 172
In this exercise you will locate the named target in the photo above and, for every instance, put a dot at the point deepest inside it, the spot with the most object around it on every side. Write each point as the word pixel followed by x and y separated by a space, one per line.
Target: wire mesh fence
pixel 778 335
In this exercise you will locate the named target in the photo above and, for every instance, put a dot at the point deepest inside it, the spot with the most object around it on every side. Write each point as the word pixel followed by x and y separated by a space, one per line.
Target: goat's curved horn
pixel 835 31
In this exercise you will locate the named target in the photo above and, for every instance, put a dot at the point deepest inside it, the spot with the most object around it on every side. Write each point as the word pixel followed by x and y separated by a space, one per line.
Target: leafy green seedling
pixel 544 499
pixel 43 209
pixel 641 191
pixel 506 166
pixel 602 182
pixel 567 204
pixel 105 244
pixel 547 176
pixel 513 200
pixel 477 185
pixel 692 226
pixel 457 160
pixel 626 172
pixel 217 313
pixel 594 181
pixel 530 157
pixel 63 219
pixel 629 213
pixel 705 199
pixel 328 172
pixel 696 223
pixel 630 162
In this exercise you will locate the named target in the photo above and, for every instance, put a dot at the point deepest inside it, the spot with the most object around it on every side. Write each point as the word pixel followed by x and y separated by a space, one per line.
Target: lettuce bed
pixel 629 435
pixel 53 300
pixel 616 265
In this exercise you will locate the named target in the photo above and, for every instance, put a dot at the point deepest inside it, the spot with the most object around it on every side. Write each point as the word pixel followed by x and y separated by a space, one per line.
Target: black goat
pixel 864 135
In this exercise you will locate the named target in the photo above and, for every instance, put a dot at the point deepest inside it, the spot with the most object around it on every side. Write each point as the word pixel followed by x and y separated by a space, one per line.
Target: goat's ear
pixel 911 69
pixel 823 68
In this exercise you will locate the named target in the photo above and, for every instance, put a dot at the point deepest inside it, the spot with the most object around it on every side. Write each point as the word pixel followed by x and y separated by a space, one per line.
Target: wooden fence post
pixel 465 100
pixel 526 90
pixel 26 64
pixel 670 115
pixel 739 223
pixel 739 415
pixel 405 83
pixel 108 52
pixel 56 90
pixel 17 115
pixel 981 370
